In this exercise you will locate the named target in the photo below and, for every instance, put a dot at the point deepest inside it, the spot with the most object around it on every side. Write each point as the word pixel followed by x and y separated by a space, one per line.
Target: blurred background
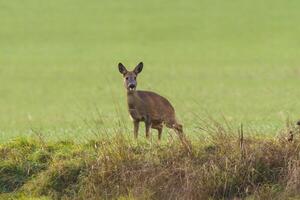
pixel 232 59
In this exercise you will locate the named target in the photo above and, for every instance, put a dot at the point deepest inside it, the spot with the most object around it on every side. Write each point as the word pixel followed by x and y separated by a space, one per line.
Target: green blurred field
pixel 58 62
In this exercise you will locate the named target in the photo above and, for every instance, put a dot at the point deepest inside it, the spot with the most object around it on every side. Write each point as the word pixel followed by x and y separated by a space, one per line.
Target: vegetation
pixel 118 168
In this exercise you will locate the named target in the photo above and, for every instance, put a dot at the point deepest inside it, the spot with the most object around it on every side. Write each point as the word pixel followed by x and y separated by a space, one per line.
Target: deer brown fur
pixel 148 107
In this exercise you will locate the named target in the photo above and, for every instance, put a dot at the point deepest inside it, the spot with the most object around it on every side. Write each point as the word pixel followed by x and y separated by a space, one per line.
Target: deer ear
pixel 138 68
pixel 122 68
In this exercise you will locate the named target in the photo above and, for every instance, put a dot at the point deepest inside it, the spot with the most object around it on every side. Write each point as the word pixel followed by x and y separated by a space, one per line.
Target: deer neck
pixel 132 99
pixel 131 93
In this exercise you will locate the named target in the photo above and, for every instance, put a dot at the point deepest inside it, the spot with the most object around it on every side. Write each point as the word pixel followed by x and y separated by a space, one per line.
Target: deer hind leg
pixel 178 128
pixel 159 128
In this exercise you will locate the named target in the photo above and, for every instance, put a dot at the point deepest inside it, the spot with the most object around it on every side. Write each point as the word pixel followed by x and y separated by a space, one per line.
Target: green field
pixel 234 59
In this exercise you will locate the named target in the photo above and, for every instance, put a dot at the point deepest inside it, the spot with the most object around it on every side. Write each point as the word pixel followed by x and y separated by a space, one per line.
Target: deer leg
pixel 147 126
pixel 178 128
pixel 159 128
pixel 159 133
pixel 136 129
pixel 179 131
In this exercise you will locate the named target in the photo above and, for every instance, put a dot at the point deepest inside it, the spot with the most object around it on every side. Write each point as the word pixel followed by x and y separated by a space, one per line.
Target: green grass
pixel 58 62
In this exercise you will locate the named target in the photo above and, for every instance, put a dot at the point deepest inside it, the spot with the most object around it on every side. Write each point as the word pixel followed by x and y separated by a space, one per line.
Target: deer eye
pixel 126 78
pixel 134 78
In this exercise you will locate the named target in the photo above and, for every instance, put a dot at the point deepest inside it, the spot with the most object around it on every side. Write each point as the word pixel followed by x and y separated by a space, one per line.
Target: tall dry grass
pixel 228 164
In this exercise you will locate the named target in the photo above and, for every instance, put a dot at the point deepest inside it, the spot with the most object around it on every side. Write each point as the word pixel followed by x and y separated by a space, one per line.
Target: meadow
pixel 235 62
pixel 58 62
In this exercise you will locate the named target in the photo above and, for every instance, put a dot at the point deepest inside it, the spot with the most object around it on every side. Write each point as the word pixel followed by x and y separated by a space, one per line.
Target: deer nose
pixel 131 86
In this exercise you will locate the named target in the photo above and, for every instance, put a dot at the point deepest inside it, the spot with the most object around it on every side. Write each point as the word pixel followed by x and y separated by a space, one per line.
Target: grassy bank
pixel 226 164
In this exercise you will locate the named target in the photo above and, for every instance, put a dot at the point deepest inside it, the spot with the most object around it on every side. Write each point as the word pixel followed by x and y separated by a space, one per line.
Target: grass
pixel 59 62
pixel 244 167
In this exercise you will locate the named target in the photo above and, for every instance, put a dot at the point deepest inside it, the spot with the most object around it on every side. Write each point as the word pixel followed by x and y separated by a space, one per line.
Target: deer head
pixel 130 77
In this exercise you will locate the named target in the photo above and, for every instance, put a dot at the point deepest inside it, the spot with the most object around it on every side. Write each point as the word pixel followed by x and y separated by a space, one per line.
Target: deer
pixel 148 107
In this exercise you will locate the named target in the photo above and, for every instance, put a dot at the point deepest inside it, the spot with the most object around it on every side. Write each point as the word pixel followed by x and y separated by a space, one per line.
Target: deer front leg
pixel 136 129
pixel 147 126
